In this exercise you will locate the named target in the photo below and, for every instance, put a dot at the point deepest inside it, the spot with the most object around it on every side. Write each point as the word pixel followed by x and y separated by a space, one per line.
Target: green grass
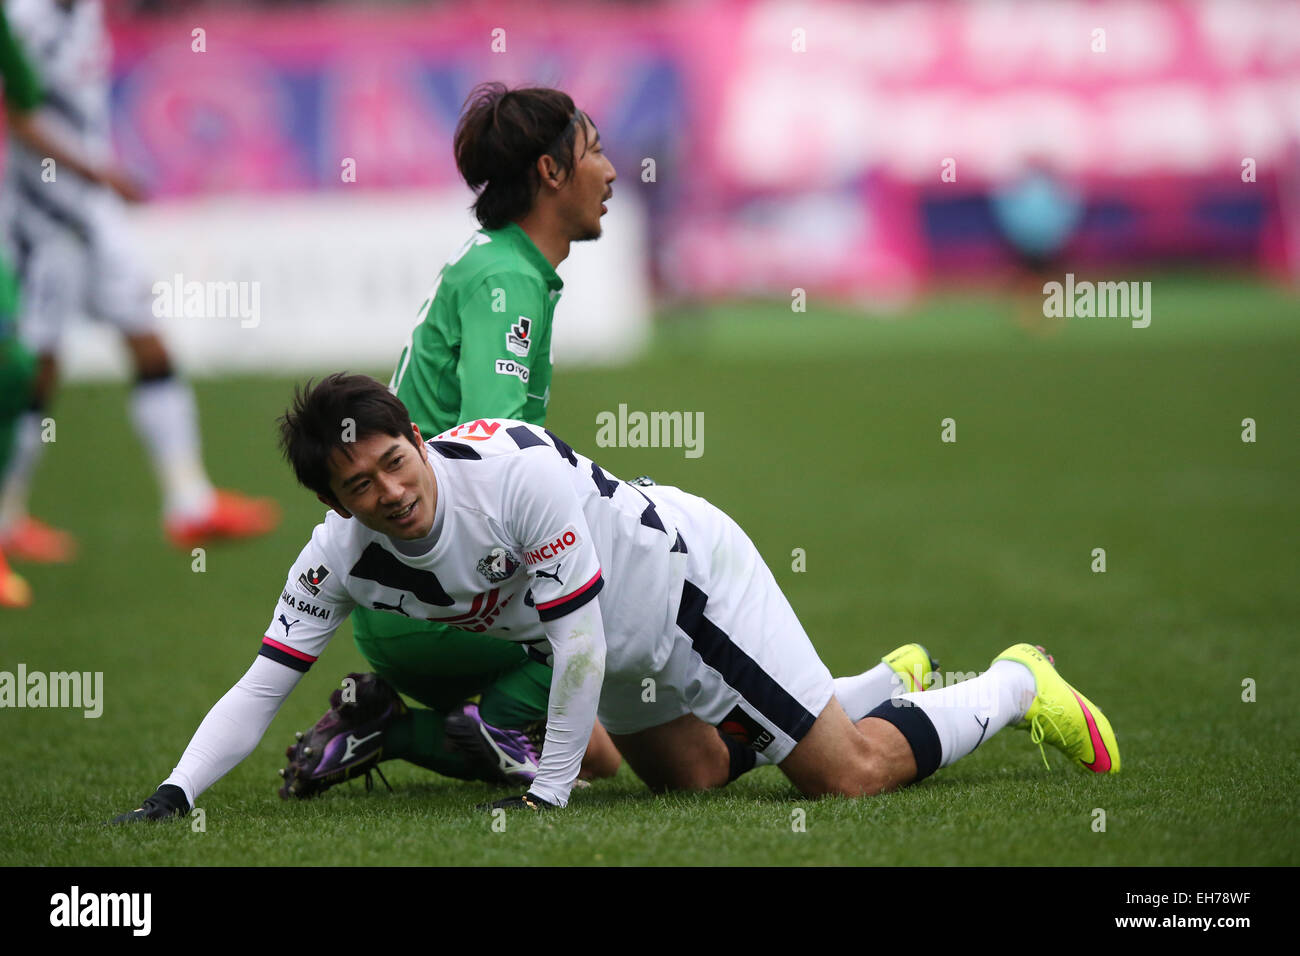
pixel 822 433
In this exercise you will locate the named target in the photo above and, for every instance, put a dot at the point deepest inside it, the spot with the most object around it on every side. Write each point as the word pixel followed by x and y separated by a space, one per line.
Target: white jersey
pixel 69 48
pixel 526 534
pixel 526 530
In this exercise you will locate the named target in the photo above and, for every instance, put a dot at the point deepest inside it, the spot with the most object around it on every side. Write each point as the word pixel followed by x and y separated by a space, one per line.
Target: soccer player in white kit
pixel 72 251
pixel 501 527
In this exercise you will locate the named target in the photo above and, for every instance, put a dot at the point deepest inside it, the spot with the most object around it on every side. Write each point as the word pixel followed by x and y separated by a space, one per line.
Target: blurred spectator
pixel 1037 213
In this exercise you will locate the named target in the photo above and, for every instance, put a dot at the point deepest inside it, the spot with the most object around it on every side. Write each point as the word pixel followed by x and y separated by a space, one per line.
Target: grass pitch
pixel 822 433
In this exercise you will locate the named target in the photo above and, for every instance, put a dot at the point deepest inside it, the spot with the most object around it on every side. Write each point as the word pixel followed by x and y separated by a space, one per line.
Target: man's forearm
pixel 233 727
pixel 578 642
pixel 29 129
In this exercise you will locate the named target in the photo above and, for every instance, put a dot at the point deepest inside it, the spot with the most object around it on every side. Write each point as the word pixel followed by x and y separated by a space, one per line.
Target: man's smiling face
pixel 386 483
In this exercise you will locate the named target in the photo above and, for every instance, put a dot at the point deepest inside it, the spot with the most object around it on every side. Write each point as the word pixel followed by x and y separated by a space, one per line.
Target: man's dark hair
pixel 331 415
pixel 501 135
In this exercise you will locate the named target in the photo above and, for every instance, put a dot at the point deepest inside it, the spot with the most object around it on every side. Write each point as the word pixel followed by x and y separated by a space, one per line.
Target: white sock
pixel 966 714
pixel 26 452
pixel 861 694
pixel 165 417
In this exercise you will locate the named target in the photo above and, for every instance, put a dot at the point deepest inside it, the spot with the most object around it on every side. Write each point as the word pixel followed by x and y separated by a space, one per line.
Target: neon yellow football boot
pixel 1062 717
pixel 913 665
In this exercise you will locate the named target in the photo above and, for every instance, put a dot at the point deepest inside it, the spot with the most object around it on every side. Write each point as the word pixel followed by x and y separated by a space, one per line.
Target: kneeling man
pixel 655 610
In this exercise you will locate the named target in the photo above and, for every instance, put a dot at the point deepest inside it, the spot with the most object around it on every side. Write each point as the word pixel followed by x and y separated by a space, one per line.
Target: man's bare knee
pixel 698 777
pixel 149 354
pixel 857 773
pixel 838 757
pixel 863 778
pixel 685 754
pixel 602 758
pixel 47 376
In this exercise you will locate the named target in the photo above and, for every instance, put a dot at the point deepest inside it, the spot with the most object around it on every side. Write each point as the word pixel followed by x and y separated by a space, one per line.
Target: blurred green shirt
pixel 483 345
pixel 22 89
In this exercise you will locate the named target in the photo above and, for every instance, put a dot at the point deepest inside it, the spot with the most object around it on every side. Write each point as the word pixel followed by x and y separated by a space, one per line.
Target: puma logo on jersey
pixel 381 606
pixel 288 623
pixel 354 742
pixel 551 574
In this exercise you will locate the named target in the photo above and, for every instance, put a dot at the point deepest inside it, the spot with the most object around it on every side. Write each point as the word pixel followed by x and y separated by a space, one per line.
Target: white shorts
pixel 740 659
pixel 74 260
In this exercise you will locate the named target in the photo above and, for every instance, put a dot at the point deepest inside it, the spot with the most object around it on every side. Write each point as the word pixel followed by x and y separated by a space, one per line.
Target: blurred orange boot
pixel 232 516
pixel 14 591
pixel 32 540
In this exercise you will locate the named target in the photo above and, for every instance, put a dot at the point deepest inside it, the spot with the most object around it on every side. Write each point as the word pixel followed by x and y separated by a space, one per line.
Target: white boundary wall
pixel 340 279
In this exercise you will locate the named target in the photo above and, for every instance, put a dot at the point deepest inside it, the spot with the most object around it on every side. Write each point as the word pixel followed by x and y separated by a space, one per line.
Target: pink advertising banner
pixel 850 147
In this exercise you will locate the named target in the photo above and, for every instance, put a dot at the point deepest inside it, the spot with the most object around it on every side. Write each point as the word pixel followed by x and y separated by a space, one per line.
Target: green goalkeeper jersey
pixel 483 345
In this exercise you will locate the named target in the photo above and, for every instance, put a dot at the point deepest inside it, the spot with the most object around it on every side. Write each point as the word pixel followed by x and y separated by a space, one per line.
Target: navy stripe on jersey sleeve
pixel 523 437
pixel 562 447
pixel 550 610
pixel 451 449
pixel 286 655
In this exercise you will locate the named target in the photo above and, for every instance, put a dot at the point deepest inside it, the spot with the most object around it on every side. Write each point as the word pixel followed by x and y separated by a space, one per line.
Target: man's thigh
pixel 53 286
pixel 117 291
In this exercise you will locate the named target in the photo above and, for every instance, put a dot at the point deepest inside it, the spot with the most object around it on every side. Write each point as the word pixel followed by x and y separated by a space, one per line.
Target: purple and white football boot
pixel 347 741
pixel 504 756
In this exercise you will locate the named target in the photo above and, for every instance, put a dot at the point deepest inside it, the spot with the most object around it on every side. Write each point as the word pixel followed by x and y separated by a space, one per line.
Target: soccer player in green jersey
pixel 22 93
pixel 481 350
pixel 17 374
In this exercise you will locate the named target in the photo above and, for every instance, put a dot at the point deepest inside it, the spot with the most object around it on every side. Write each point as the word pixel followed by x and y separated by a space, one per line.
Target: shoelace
pixel 370 783
pixel 1037 733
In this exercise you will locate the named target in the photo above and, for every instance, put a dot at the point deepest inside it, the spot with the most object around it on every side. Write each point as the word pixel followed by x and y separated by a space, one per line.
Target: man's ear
pixel 419 439
pixel 549 171
pixel 334 506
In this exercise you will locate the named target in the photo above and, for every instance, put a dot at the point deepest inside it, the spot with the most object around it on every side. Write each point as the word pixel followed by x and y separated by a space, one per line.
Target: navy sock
pixel 742 758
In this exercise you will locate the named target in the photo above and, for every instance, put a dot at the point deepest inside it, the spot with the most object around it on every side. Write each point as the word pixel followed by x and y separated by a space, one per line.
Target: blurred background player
pixel 1037 212
pixel 481 350
pixel 17 364
pixel 67 228
pixel 17 372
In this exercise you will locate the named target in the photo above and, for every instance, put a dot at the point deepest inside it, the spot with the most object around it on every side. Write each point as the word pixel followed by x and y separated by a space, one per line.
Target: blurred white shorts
pixel 76 259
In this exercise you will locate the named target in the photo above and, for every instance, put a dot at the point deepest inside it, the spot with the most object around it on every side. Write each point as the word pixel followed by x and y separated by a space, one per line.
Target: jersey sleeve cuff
pixel 286 655
pixel 550 610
